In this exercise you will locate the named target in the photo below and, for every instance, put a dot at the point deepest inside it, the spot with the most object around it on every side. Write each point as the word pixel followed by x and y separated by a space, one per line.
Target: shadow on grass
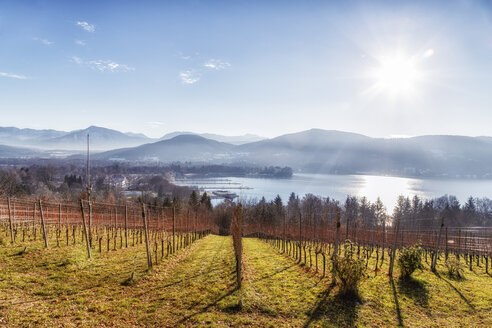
pixel 19 253
pixel 456 290
pixel 317 282
pixel 208 306
pixel 188 278
pixel 338 309
pixel 233 308
pixel 415 289
pixel 275 273
pixel 454 277
pixel 397 304
pixel 209 272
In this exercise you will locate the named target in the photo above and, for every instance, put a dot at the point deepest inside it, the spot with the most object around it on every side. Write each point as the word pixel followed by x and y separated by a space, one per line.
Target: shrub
pixel 455 268
pixel 349 271
pixel 410 259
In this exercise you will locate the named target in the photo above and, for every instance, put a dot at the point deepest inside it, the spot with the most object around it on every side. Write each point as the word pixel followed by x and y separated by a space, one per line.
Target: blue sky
pixel 233 67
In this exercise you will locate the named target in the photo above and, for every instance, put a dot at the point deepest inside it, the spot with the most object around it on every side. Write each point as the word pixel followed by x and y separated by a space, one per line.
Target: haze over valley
pixel 311 151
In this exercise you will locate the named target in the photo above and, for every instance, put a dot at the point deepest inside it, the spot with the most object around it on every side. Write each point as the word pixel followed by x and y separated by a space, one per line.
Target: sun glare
pixel 396 76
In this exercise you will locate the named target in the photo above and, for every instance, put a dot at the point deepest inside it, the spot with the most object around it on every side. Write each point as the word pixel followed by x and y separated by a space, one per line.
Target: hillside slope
pixel 186 147
pixel 60 287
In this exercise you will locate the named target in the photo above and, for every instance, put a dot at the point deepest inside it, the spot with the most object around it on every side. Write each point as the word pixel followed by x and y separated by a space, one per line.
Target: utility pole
pixel 88 169
pixel 89 188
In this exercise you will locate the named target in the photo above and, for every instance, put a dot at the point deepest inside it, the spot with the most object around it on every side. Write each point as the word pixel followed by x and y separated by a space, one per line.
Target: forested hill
pixel 336 152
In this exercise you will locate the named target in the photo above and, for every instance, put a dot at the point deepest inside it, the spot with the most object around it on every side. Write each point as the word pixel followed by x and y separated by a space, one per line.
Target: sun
pixel 396 76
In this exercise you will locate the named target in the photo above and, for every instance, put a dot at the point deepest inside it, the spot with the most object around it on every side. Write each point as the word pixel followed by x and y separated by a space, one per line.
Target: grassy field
pixel 60 287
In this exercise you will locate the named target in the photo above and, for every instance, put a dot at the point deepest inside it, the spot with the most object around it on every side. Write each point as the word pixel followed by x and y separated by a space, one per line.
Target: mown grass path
pixel 192 292
pixel 278 290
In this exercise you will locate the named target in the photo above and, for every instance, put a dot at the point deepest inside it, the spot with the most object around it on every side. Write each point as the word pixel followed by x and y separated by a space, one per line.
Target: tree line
pixel 313 211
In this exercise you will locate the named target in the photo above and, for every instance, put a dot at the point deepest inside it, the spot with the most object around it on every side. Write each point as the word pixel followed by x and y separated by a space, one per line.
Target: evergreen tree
pixel 205 200
pixel 193 200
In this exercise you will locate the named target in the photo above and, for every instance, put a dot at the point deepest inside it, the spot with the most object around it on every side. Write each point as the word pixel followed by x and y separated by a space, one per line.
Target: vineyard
pixel 164 230
pixel 472 244
pixel 139 265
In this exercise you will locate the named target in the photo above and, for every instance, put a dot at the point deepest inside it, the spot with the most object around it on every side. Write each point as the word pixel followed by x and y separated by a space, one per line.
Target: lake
pixel 339 186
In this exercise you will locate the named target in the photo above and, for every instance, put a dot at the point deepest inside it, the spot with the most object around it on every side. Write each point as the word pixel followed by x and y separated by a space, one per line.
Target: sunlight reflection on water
pixel 339 186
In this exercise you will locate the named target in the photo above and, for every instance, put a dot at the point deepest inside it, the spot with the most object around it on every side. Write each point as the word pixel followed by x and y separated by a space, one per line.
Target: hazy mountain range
pixel 101 138
pixel 309 151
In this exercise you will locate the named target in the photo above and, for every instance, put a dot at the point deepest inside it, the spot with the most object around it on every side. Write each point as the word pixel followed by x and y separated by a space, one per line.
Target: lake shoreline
pixel 338 187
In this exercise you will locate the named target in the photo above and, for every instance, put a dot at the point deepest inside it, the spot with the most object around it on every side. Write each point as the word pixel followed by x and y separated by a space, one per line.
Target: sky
pixel 382 69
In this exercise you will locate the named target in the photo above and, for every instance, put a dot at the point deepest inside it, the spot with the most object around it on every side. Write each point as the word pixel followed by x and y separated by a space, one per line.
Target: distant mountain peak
pixel 95 128
pixel 138 135
pixel 234 140
pixel 188 138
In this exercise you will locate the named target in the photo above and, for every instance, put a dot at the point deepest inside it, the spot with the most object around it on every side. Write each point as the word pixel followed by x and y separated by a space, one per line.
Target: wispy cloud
pixel 13 76
pixel 103 65
pixel 80 42
pixel 86 26
pixel 216 64
pixel 187 56
pixel 195 72
pixel 183 56
pixel 77 60
pixel 44 41
pixel 155 124
pixel 189 77
pixel 109 65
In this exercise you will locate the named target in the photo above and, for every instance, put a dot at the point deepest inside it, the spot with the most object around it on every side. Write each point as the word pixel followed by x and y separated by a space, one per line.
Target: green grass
pixel 426 300
pixel 60 287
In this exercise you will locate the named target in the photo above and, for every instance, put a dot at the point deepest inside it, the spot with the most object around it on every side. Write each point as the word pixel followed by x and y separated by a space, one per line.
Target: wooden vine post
pixel 436 252
pixel 393 250
pixel 300 236
pixel 147 247
pixel 90 223
pixel 347 226
pixel 334 257
pixel 126 226
pixel 284 241
pixel 58 233
pixel 384 241
pixel 446 236
pixel 13 219
pixel 195 224
pixel 174 227
pixel 85 229
pixel 45 234
pixel 34 221
pixel 11 223
pixel 115 226
pixel 236 230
